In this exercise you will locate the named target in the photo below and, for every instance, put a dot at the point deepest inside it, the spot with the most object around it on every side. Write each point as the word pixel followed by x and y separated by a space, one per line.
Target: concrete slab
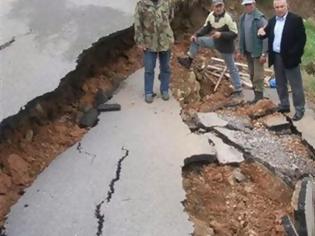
pixel 304 126
pixel 225 154
pixel 304 208
pixel 276 122
pixel 43 40
pixel 146 185
pixel 210 119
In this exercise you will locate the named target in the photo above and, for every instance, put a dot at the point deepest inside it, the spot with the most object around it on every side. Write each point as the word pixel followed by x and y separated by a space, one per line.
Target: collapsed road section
pixel 51 123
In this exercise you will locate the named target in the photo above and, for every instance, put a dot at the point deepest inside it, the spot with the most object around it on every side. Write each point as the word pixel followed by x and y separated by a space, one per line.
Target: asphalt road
pixel 127 168
pixel 40 41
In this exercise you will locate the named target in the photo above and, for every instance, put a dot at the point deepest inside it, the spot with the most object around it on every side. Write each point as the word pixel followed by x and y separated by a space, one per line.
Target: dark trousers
pixel 294 77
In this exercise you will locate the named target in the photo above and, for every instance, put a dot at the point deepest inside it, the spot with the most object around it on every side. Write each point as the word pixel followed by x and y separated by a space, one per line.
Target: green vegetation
pixel 309 52
pixel 309 57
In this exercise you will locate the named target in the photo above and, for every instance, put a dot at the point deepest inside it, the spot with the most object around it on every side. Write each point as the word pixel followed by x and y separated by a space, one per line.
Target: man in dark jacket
pixel 286 41
pixel 219 32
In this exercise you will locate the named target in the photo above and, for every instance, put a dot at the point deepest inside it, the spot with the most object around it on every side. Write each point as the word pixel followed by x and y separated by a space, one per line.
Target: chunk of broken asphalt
pixel 304 209
pixel 108 107
pixel 276 123
pixel 89 119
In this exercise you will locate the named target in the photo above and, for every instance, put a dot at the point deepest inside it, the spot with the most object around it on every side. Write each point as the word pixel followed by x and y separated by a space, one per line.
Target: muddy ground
pixel 217 203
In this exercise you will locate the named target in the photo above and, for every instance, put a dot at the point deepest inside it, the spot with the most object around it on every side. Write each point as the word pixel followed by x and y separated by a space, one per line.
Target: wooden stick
pixel 220 79
pixel 238 64
pixel 211 79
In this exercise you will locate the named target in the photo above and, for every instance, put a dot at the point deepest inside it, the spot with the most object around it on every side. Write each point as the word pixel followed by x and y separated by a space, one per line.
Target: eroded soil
pixel 220 202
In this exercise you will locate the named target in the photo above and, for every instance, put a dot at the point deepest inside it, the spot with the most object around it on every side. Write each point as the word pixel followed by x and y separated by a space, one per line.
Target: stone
pixel 210 119
pixel 39 108
pixel 238 175
pixel 225 154
pixel 89 119
pixel 108 107
pixel 102 97
pixel 18 169
pixel 276 122
pixel 29 135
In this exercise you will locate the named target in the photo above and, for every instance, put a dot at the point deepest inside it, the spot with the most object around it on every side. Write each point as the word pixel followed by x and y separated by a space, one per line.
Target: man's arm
pixel 232 33
pixel 138 26
pixel 205 29
pixel 263 22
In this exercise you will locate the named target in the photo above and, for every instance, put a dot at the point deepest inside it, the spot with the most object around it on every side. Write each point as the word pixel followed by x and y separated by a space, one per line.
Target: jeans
pixel 207 42
pixel 149 67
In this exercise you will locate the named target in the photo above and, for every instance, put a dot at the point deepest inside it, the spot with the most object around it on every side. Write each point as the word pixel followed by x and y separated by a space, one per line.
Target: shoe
pixel 283 109
pixel 185 61
pixel 258 96
pixel 298 115
pixel 165 96
pixel 148 98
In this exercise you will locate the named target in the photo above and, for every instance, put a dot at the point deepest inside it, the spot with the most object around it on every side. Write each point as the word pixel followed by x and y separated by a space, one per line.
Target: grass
pixel 309 57
pixel 309 51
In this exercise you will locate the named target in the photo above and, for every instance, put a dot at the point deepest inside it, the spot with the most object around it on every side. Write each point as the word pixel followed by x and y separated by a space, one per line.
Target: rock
pixel 18 169
pixel 39 109
pixel 89 119
pixel 108 107
pixel 237 174
pixel 5 183
pixel 102 97
pixel 226 154
pixel 210 119
pixel 29 135
pixel 276 122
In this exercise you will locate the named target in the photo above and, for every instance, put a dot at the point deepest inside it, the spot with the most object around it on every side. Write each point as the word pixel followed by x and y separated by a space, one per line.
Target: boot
pixel 185 61
pixel 258 96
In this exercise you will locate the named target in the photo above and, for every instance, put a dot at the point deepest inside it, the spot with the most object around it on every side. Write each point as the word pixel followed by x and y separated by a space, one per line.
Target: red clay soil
pixel 219 204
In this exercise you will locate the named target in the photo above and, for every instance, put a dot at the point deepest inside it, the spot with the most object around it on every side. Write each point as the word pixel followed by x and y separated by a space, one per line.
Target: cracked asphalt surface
pixel 134 184
pixel 49 35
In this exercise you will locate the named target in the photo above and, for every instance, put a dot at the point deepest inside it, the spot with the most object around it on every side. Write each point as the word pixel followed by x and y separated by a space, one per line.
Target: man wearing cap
pixel 253 48
pixel 286 42
pixel 219 31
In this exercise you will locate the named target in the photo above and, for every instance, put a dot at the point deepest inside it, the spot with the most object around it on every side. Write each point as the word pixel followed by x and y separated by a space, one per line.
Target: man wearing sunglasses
pixel 253 48
pixel 219 32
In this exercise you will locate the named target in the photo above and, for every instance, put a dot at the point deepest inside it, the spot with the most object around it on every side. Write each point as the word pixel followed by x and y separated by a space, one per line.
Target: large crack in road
pixel 99 216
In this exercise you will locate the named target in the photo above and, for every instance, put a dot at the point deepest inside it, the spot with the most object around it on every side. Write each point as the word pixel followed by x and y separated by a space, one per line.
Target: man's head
pixel 218 6
pixel 281 7
pixel 249 5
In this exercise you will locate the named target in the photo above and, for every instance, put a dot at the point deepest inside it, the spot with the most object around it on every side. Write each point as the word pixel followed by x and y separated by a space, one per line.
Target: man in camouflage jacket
pixel 153 35
pixel 219 32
